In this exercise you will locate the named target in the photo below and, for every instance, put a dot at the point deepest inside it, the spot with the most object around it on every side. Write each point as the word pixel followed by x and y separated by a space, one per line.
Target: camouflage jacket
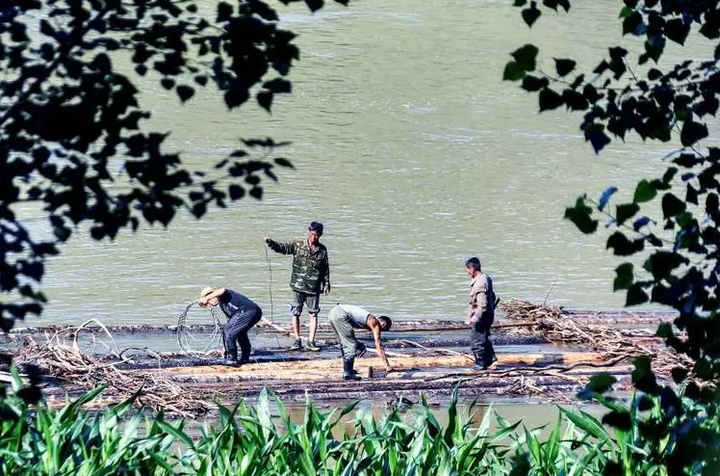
pixel 311 269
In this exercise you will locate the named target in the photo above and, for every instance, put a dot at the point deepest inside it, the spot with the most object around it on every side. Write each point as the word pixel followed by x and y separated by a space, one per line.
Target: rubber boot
pixel 349 373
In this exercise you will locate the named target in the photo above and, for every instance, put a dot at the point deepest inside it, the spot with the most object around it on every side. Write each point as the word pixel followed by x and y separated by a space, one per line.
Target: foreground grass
pixel 36 440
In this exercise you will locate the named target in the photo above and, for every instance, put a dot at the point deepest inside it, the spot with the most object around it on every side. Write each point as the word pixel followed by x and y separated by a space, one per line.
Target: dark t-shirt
pixel 232 302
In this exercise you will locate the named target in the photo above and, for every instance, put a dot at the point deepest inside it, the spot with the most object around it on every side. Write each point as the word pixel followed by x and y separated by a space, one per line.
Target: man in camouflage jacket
pixel 310 277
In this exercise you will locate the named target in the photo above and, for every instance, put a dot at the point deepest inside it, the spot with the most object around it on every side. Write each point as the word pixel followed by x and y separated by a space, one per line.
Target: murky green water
pixel 412 152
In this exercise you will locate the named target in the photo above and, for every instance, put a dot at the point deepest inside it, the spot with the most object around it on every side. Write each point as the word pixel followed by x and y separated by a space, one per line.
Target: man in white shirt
pixel 344 319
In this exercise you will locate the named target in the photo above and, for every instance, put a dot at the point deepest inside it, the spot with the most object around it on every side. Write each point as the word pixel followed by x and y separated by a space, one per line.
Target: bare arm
pixel 374 326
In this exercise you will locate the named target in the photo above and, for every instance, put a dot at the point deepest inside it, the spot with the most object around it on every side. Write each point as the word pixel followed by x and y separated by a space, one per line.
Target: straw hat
pixel 206 290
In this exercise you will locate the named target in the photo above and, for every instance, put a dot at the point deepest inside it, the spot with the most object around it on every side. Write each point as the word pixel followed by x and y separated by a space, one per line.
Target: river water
pixel 410 149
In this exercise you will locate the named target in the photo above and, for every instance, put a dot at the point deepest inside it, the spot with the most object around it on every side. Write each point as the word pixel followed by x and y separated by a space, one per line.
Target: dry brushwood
pixel 556 327
pixel 69 364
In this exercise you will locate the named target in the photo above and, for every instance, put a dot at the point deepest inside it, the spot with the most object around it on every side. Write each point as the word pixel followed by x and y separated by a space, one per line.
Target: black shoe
pixel 243 360
pixel 348 371
pixel 296 345
pixel 230 362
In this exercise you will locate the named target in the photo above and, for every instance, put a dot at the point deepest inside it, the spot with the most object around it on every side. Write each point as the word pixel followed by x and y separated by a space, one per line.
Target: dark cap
pixel 317 227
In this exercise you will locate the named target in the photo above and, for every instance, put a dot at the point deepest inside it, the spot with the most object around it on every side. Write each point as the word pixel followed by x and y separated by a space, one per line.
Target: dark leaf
pixel 618 419
pixel 644 192
pixel 530 15
pixel 601 383
pixel 692 132
pixel 564 66
pixel 636 295
pixel 235 96
pixel 622 246
pixel 632 24
pixel 643 377
pixel 654 74
pixel 662 263
pixel 184 92
pixel 314 5
pixel 264 99
pixel 549 100
pixel 167 83
pixel 625 211
pixel 278 85
pixel 672 206
pixel 677 30
pixel 532 83
pixel 526 56
pixel 664 330
pixel 580 216
pixel 513 72
pixel 624 277
pixel 284 162
pixel 224 12
pixel 599 140
pixel 236 192
pixel 679 374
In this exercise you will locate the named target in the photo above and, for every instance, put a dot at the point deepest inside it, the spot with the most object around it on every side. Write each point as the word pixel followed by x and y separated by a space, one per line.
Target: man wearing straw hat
pixel 242 315
pixel 344 319
pixel 310 277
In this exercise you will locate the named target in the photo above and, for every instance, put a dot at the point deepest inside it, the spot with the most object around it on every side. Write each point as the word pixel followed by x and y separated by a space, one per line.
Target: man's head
pixel 211 302
pixel 472 266
pixel 385 322
pixel 315 231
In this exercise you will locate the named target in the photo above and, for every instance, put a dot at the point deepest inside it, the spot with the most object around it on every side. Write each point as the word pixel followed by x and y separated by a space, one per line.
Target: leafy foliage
pixel 677 429
pixel 37 440
pixel 69 119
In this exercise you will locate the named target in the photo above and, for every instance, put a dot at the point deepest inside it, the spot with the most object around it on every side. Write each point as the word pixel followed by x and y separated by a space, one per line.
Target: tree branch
pixel 62 54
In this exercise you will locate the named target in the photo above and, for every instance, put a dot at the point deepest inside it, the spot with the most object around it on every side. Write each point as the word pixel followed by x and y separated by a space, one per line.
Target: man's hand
pixel 469 321
pixel 326 289
pixel 389 369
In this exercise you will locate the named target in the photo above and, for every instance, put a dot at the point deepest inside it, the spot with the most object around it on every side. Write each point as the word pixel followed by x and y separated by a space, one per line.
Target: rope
pixel 270 282
pixel 272 309
pixel 192 344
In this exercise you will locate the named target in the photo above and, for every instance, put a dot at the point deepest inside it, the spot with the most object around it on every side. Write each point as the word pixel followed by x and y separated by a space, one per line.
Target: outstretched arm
pixel 282 248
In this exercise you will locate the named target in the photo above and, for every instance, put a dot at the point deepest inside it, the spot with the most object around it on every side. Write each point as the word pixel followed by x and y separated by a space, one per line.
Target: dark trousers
pixel 236 332
pixel 480 343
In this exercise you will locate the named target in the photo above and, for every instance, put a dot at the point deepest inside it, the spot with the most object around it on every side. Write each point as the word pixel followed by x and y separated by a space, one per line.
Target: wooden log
pixel 320 369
